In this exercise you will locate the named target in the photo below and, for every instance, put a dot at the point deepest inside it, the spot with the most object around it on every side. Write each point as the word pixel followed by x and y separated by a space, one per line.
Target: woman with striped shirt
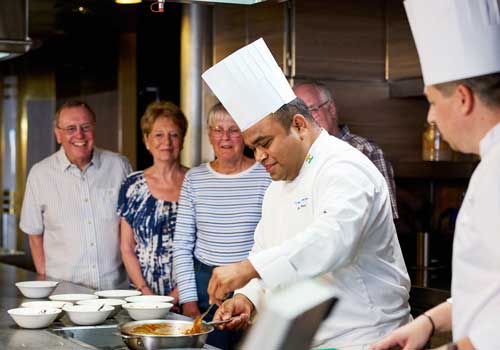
pixel 219 208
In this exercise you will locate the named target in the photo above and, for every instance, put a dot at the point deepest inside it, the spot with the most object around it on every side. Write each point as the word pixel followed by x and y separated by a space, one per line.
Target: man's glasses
pixel 218 132
pixel 315 109
pixel 72 129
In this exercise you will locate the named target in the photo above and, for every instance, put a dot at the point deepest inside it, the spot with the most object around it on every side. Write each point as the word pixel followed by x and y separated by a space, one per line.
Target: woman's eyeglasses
pixel 218 132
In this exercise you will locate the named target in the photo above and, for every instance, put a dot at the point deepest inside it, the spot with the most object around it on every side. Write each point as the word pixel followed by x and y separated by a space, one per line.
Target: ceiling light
pixel 126 2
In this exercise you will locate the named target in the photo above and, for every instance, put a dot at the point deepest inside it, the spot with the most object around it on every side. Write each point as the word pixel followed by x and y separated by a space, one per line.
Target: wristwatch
pixel 452 346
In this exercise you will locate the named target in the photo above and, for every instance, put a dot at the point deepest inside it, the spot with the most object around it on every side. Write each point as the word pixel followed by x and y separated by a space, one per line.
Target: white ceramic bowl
pixel 147 311
pixel 27 317
pixel 37 289
pixel 72 298
pixel 117 293
pixel 88 315
pixel 150 299
pixel 116 303
pixel 47 305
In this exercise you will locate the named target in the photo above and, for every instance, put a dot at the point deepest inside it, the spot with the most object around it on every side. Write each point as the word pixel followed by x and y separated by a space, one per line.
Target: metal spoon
pixel 213 323
pixel 202 316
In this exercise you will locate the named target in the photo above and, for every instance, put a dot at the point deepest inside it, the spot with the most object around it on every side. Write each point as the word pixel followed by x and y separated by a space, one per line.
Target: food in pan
pixel 164 329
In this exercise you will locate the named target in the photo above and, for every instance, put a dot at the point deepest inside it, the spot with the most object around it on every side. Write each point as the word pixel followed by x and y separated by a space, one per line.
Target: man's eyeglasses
pixel 218 132
pixel 72 129
pixel 315 109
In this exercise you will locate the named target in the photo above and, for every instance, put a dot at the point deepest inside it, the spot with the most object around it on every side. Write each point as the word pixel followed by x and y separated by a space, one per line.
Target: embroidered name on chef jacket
pixel 301 203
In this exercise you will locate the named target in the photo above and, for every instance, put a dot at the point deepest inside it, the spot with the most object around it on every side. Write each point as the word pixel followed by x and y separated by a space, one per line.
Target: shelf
pixel 433 170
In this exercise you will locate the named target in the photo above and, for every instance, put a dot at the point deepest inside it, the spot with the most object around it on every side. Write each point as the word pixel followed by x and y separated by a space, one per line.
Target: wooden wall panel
pixel 394 124
pixel 403 57
pixel 268 21
pixel 230 30
pixel 340 39
pixel 234 27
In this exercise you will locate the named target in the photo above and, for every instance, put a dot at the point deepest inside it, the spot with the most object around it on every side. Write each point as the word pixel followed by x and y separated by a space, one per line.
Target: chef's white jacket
pixel 476 252
pixel 334 222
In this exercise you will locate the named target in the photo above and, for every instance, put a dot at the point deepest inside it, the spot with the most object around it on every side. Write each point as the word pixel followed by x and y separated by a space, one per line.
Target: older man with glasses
pixel 70 202
pixel 319 100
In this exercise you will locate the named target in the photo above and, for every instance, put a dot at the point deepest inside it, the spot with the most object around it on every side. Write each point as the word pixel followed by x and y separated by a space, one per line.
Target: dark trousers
pixel 224 339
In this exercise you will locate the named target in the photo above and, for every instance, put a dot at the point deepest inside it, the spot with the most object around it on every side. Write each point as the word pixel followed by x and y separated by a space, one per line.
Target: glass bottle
pixel 434 148
pixel 430 142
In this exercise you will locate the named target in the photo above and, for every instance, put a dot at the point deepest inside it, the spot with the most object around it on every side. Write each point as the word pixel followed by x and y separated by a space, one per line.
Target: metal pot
pixel 157 342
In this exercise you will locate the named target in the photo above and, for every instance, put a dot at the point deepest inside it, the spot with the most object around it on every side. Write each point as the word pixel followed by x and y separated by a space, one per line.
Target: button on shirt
pixel 476 252
pixel 334 222
pixel 75 212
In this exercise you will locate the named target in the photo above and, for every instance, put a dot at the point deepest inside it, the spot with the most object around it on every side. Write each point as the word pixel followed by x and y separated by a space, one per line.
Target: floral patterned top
pixel 153 222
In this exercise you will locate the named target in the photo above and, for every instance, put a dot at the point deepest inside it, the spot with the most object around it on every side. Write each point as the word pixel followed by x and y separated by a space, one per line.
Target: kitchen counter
pixel 61 335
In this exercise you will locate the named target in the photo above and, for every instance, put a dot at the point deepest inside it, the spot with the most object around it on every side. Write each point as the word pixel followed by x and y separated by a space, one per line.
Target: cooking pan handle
pixel 127 336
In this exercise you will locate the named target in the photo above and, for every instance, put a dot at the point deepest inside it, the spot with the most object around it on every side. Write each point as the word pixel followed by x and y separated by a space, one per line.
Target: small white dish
pixel 37 289
pixel 27 317
pixel 116 303
pixel 88 315
pixel 147 311
pixel 42 304
pixel 117 293
pixel 150 299
pixel 72 298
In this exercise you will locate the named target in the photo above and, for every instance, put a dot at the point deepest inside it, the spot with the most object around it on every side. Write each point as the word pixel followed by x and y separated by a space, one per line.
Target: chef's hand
pixel 412 336
pixel 191 309
pixel 240 306
pixel 226 279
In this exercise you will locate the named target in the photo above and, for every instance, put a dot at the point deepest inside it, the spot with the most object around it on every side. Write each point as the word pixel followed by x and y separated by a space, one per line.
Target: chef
pixel 326 215
pixel 458 42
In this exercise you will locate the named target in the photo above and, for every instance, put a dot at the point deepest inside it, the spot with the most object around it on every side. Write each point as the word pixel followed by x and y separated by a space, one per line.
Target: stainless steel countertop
pixel 16 338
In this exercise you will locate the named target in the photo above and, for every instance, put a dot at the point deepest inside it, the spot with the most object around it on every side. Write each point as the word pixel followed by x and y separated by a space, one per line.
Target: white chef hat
pixel 455 39
pixel 250 84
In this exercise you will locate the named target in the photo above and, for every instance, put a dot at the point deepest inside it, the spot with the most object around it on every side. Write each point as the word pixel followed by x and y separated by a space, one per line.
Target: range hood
pixel 14 39
pixel 234 2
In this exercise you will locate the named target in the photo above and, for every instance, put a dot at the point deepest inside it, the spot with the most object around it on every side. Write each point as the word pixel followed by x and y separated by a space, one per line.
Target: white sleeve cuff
pixel 253 291
pixel 274 270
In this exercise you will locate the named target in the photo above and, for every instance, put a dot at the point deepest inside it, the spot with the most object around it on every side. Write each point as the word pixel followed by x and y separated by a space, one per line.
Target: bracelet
pixel 432 324
pixel 452 346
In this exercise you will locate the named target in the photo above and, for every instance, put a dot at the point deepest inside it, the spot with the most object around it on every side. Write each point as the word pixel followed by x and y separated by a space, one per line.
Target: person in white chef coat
pixel 326 215
pixel 458 42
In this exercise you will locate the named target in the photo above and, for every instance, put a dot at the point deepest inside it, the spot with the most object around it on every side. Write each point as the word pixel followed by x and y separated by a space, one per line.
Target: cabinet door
pixel 236 26
pixel 403 58
pixel 340 39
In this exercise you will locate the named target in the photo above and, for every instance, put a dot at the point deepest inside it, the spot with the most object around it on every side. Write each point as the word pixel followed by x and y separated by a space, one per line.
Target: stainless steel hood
pixel 14 39
pixel 234 2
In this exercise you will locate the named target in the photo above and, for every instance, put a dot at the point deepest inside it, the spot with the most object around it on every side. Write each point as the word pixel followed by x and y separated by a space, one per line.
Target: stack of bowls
pixel 47 305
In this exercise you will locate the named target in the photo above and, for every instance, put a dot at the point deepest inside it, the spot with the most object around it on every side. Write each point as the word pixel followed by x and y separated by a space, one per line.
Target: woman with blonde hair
pixel 148 199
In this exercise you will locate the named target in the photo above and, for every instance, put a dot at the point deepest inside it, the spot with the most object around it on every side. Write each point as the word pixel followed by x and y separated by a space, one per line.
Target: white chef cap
pixel 250 84
pixel 455 39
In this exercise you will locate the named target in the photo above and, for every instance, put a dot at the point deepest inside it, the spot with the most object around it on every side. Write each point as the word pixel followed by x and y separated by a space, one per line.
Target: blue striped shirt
pixel 216 220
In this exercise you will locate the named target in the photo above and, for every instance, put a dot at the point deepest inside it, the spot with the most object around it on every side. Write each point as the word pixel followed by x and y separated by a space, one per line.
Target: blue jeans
pixel 223 339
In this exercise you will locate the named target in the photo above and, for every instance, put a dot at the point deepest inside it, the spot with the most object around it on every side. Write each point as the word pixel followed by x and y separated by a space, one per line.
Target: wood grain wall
pixel 345 45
